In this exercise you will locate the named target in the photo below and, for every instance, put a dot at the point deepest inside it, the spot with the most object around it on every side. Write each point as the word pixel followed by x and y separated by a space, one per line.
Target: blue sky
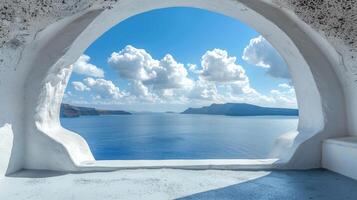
pixel 152 67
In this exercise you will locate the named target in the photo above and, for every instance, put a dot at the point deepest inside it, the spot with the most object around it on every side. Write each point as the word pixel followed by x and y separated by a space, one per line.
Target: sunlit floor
pixel 181 184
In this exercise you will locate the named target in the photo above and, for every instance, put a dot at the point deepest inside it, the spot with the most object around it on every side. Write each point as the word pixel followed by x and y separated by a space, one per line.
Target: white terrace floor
pixel 182 184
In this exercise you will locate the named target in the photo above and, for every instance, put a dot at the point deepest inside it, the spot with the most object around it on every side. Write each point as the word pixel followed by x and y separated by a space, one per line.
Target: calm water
pixel 178 136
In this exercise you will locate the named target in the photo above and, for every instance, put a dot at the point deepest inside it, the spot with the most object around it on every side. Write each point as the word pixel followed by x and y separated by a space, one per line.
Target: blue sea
pixel 179 136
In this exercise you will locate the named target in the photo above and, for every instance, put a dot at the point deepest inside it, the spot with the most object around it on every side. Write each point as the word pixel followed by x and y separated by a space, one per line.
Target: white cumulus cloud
pixel 103 89
pixel 79 86
pixel 192 67
pixel 221 70
pixel 285 86
pixel 204 90
pixel 241 88
pixel 218 66
pixel 82 66
pixel 284 95
pixel 148 76
pixel 218 79
pixel 261 53
pixel 169 75
pixel 133 63
pixel 139 91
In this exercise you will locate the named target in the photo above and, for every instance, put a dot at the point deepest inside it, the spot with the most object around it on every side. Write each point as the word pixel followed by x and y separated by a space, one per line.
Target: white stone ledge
pixel 344 141
pixel 340 155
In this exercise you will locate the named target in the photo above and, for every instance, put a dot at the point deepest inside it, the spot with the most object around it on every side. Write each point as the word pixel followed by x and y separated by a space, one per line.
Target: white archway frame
pixel 319 93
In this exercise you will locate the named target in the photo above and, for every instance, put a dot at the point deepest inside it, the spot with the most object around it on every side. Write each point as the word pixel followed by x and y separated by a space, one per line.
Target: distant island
pixel 76 111
pixel 240 109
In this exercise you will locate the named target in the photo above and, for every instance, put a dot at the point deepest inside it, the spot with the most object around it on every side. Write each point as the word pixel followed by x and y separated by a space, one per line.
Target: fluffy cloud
pixel 141 92
pixel 285 86
pixel 150 79
pixel 241 88
pixel 221 70
pixel 79 86
pixel 103 89
pixel 82 66
pixel 138 65
pixel 218 66
pixel 139 89
pixel 169 75
pixel 192 67
pixel 284 95
pixel 219 79
pixel 204 90
pixel 133 63
pixel 261 53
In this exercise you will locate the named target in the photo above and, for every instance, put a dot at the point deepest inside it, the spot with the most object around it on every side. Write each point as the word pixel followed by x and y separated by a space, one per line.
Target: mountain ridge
pixel 70 111
pixel 241 109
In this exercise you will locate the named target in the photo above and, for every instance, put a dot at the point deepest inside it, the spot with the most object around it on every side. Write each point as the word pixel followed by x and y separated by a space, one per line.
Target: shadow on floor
pixel 288 185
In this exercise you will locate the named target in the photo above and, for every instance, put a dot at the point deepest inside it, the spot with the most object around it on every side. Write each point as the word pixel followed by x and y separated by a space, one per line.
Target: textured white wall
pixel 34 85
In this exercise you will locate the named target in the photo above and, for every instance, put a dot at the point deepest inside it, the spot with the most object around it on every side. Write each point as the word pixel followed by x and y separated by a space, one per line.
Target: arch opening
pixel 151 100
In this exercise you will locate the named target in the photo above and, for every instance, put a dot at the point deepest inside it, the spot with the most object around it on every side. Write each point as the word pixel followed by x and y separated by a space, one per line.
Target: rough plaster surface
pixel 40 39
pixel 179 184
pixel 336 18
pixel 19 18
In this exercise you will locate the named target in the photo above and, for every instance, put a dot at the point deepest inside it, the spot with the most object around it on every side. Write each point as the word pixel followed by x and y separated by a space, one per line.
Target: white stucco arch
pixel 311 60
